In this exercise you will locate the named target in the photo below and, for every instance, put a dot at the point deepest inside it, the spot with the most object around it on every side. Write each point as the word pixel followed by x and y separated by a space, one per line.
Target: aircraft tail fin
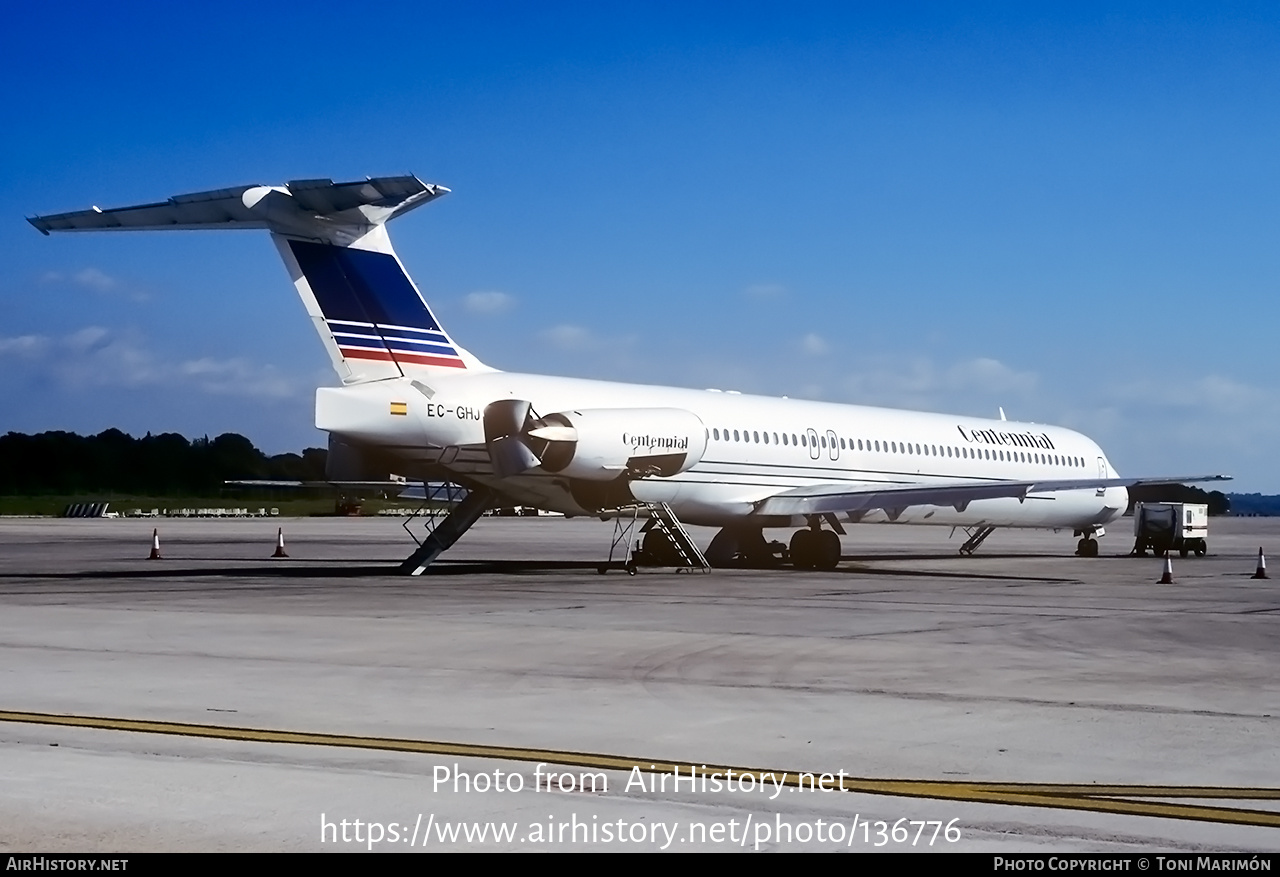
pixel 372 319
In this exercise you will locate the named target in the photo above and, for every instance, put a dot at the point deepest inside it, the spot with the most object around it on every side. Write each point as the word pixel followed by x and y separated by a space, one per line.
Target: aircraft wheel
pixel 828 550
pixel 802 549
pixel 1090 547
pixel 1082 547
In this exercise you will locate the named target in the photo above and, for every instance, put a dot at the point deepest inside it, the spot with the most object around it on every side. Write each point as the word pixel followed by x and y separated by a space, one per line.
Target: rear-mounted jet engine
pixel 598 444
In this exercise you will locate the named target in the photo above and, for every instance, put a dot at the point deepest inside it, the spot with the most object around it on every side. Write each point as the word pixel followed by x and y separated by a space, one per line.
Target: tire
pixel 803 553
pixel 827 555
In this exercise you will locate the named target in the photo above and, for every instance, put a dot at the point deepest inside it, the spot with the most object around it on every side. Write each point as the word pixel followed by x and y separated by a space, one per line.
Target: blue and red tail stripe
pixel 382 342
pixel 371 306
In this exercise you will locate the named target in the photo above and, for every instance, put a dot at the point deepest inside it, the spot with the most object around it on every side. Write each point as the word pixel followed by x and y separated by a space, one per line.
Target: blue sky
pixel 1068 211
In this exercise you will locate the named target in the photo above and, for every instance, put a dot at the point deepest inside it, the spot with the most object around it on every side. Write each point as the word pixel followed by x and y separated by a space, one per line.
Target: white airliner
pixel 413 402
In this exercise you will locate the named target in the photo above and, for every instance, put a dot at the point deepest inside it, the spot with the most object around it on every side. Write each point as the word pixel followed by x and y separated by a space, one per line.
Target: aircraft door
pixel 814 450
pixel 833 445
pixel 1102 473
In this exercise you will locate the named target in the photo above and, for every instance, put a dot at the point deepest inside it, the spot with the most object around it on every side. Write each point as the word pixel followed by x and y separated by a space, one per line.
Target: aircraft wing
pixel 404 489
pixel 318 485
pixel 827 498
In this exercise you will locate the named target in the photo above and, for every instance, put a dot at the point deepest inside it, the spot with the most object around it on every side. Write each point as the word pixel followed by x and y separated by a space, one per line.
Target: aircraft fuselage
pixel 755 447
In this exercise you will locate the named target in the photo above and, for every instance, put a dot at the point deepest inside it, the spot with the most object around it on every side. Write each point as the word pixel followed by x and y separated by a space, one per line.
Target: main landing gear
pixel 815 548
pixel 811 548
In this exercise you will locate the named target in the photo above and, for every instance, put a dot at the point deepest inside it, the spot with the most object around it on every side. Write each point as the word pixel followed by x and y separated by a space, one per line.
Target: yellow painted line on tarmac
pixel 1060 796
pixel 1137 791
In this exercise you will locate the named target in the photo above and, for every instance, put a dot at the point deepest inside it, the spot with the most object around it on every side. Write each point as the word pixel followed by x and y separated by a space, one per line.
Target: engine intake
pixel 597 444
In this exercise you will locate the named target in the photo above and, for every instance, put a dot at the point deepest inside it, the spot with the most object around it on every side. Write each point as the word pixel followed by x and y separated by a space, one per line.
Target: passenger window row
pixel 752 436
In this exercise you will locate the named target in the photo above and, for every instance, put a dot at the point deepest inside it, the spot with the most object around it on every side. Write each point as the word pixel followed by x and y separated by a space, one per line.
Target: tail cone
pixel 155 545
pixel 1167 577
pixel 1262 566
pixel 280 543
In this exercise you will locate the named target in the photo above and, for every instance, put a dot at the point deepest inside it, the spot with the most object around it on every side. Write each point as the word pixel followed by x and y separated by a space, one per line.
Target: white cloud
pixel 86 338
pixel 567 337
pixel 813 344
pixel 23 345
pixel 238 377
pixel 989 375
pixel 1210 393
pixel 1221 418
pixel 95 280
pixel 92 278
pixel 765 291
pixel 975 385
pixel 488 302
pixel 89 278
pixel 98 357
pixel 95 357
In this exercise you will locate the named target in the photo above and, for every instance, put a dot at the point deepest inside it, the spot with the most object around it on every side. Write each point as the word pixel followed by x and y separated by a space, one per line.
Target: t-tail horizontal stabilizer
pixel 306 207
pixel 370 315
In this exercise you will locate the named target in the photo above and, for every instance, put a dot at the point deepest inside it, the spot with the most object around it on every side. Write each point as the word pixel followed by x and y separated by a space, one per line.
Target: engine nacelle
pixel 601 444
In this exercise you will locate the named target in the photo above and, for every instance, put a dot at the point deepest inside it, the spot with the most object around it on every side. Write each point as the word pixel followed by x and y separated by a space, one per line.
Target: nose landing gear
pixel 1088 544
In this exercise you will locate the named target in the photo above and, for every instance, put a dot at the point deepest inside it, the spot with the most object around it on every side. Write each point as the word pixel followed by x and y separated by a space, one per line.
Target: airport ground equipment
pixel 1261 571
pixel 1162 527
pixel 666 542
pixel 449 529
pixel 977 535
pixel 85 510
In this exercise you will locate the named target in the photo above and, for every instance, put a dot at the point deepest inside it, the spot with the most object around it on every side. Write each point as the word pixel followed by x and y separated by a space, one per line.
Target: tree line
pixel 1217 501
pixel 63 463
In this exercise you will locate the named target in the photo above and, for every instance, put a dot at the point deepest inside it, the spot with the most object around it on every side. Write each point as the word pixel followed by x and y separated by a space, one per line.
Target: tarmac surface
pixel 1021 700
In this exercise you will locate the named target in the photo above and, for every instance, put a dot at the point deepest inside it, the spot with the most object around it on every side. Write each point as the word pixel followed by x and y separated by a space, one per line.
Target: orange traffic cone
pixel 1262 566
pixel 1167 577
pixel 155 545
pixel 280 543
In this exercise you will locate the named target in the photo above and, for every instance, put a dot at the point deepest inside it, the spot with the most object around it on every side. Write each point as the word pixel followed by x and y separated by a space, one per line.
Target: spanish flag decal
pixel 401 408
